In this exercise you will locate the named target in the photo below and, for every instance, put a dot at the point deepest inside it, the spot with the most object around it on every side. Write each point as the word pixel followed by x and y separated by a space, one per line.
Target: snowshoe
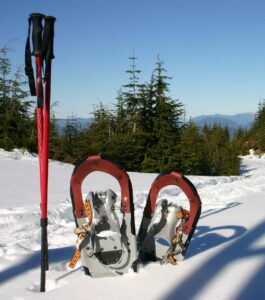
pixel 166 228
pixel 106 247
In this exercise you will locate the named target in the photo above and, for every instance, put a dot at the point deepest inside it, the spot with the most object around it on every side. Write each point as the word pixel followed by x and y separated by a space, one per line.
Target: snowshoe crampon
pixel 106 247
pixel 167 228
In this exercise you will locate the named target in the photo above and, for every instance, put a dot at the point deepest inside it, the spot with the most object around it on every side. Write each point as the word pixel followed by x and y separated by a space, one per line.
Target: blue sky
pixel 213 49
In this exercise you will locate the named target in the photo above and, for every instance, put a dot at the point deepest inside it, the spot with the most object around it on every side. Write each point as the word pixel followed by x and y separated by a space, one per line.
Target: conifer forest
pixel 144 131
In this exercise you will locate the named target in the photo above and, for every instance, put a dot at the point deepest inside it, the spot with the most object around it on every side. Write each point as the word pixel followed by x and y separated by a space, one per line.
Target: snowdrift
pixel 225 260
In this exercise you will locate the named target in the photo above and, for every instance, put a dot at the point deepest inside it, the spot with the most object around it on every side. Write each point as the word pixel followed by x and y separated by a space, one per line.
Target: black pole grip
pixel 48 36
pixel 36 33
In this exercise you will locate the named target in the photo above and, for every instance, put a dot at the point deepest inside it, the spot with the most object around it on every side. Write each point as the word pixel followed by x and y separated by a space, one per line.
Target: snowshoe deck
pixel 107 248
pixel 166 238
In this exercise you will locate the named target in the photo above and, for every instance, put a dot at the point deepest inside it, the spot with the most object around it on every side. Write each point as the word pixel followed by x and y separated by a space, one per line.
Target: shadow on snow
pixel 216 211
pixel 241 248
pixel 206 237
pixel 33 261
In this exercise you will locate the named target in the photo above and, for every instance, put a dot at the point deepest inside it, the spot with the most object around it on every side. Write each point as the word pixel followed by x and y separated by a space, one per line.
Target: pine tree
pixel 15 114
pixel 240 141
pixel 162 154
pixel 121 122
pixel 21 109
pixel 147 108
pixel 101 131
pixel 257 132
pixel 69 141
pixel 221 155
pixel 132 95
pixel 127 145
pixel 55 140
pixel 5 88
pixel 191 151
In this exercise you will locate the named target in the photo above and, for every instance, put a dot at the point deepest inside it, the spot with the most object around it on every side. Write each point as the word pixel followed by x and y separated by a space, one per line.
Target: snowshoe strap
pixel 177 238
pixel 76 256
pixel 88 211
pixel 81 232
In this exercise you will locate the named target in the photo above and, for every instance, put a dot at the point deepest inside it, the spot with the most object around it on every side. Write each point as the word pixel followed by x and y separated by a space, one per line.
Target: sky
pixel 214 50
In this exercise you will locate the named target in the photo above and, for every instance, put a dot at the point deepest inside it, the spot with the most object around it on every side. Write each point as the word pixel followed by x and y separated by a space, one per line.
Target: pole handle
pixel 36 19
pixel 48 36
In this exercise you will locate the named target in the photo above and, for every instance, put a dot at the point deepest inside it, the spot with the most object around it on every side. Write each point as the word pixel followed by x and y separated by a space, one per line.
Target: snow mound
pixel 18 154
pixel 253 155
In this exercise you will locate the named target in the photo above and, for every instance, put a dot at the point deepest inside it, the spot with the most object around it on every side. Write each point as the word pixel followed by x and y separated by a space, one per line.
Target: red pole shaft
pixel 39 112
pixel 45 164
pixel 45 153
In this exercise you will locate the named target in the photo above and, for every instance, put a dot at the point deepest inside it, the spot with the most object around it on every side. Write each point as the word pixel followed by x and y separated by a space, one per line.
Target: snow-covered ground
pixel 225 260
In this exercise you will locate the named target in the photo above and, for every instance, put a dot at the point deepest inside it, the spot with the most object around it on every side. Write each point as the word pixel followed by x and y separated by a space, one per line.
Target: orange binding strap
pixel 76 257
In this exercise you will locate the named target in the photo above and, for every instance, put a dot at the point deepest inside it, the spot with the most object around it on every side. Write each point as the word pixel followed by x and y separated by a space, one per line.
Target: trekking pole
pixel 37 52
pixel 47 49
pixel 42 40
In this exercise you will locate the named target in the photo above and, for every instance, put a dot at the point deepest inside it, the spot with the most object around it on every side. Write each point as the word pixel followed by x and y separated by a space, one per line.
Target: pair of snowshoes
pixel 107 243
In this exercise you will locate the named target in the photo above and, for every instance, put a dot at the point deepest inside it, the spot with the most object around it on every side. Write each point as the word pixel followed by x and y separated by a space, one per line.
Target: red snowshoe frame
pixel 97 163
pixel 179 180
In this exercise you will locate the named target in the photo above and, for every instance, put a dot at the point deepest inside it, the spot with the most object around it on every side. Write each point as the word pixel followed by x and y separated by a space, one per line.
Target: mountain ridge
pixel 233 122
pixel 243 120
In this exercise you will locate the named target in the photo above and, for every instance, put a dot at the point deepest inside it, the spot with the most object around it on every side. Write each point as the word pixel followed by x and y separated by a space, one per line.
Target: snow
pixel 106 233
pixel 225 260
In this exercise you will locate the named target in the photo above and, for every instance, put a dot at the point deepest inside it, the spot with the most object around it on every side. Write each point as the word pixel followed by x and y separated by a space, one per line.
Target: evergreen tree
pixel 101 131
pixel 55 140
pixel 122 137
pixel 257 132
pixel 162 154
pixel 191 151
pixel 132 95
pixel 222 157
pixel 240 141
pixel 147 109
pixel 15 115
pixel 121 121
pixel 69 141
pixel 5 70
pixel 128 145
pixel 5 88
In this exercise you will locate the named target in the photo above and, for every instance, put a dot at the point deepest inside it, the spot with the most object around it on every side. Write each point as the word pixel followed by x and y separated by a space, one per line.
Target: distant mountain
pixel 233 122
pixel 243 120
pixel 81 123
pixel 211 120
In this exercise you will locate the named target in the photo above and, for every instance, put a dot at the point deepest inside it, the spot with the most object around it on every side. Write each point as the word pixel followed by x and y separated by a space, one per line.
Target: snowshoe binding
pixel 106 247
pixel 167 228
